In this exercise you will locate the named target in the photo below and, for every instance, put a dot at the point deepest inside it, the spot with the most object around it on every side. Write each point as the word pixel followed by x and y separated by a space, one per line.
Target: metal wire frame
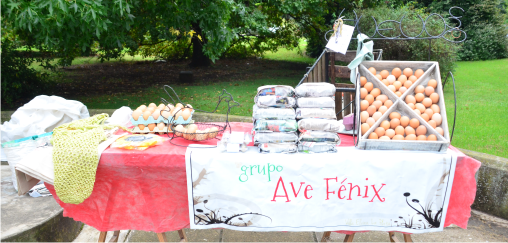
pixel 403 36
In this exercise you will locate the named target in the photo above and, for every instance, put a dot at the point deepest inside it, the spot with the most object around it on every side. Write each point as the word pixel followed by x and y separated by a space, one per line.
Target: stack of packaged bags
pixel 274 120
pixel 317 121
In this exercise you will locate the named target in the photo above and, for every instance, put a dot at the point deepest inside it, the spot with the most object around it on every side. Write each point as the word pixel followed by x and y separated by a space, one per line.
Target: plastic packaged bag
pixel 319 102
pixel 275 126
pixel 322 113
pixel 321 89
pixel 318 125
pixel 275 101
pixel 277 148
pixel 273 113
pixel 275 137
pixel 276 90
pixel 310 147
pixel 319 137
pixel 137 141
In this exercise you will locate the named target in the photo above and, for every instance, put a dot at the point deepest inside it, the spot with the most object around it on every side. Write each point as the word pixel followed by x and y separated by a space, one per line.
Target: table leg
pixel 407 238
pixel 115 237
pixel 183 236
pixel 349 238
pixel 102 236
pixel 162 237
pixel 326 236
pixel 392 237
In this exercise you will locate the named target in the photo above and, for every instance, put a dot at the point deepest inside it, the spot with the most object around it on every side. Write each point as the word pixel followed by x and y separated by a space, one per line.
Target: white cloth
pixel 121 117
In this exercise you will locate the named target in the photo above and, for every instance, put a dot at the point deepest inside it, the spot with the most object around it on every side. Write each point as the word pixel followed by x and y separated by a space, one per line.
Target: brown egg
pixel 186 113
pixel 404 121
pixel 396 72
pixel 419 97
pixel 420 107
pixel 402 78
pixel 377 104
pixel 414 123
pixel 410 137
pixel 437 118
pixel 161 106
pixel 372 70
pixel 422 138
pixel 398 137
pixel 377 115
pixel 365 127
pixel 421 130
pixel 161 127
pixel 410 99
pixel 384 73
pixel 425 117
pixel 394 115
pixel 146 114
pixel 382 98
pixel 151 109
pixel 398 93
pixel 429 90
pixel 369 98
pixel 432 137
pixel 394 123
pixel 363 116
pixel 418 73
pixel 385 124
pixel 179 105
pixel 419 89
pixel 370 121
pixel 402 89
pixel 409 130
pixel 151 126
pixel 388 103
pixel 399 130
pixel 142 108
pixel 434 97
pixel 397 85
pixel 412 78
pixel 136 114
pixel 363 93
pixel 166 114
pixel 440 131
pixel 408 71
pixel 429 112
pixel 156 113
pixel 391 79
pixel 417 111
pixel 152 105
pixel 384 138
pixel 379 77
pixel 411 105
pixel 385 82
pixel 375 92
pixel 427 102
pixel 363 81
pixel 435 108
pixel 432 83
pixel 369 86
pixel 141 127
pixel 371 109
pixel 382 109
pixel 373 135
pixel 380 131
pixel 408 84
pixel 432 123
pixel 390 133
pixel 392 88
pixel 364 105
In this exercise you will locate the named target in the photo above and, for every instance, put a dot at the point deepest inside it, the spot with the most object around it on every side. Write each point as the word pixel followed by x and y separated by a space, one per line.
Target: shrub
pixel 485 42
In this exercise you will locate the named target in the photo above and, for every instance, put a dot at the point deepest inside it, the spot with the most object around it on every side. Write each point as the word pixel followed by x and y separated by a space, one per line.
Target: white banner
pixel 350 190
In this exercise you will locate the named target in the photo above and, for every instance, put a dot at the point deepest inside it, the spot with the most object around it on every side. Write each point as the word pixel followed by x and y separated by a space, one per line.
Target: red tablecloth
pixel 147 190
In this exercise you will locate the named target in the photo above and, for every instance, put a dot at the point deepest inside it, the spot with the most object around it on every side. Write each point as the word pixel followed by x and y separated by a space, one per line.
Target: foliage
pixel 485 42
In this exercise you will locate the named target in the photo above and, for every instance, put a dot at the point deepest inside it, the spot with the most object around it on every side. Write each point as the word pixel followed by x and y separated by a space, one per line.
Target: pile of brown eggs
pixel 399 128
pixel 398 81
pixel 155 112
pixel 373 104
pixel 191 132
pixel 424 103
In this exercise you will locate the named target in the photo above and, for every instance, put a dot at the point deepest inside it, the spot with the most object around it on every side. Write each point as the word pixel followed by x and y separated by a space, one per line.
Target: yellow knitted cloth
pixel 75 157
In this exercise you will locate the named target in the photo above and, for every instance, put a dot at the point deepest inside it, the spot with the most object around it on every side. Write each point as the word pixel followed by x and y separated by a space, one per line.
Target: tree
pixel 70 28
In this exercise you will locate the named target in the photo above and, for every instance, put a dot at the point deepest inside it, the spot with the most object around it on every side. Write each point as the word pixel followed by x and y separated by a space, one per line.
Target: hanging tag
pixel 340 42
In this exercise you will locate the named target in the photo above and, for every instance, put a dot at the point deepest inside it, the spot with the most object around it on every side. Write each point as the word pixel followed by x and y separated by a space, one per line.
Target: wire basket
pixel 206 131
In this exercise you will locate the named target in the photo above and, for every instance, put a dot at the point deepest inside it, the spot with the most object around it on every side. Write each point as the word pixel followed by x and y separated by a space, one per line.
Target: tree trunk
pixel 198 57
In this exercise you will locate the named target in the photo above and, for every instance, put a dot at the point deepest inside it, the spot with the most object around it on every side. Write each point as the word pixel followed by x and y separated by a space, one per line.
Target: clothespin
pixel 337 26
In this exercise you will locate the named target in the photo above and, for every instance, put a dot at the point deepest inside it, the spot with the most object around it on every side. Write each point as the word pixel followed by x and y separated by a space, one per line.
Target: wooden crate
pixel 431 71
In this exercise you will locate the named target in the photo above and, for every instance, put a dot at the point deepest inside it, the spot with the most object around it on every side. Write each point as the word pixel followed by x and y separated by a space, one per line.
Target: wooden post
pixel 183 236
pixel 102 236
pixel 326 236
pixel 332 67
pixel 407 238
pixel 162 237
pixel 392 237
pixel 115 237
pixel 347 100
pixel 327 67
pixel 349 238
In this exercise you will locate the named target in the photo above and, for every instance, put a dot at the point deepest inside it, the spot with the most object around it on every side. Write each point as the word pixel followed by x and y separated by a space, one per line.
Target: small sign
pixel 341 43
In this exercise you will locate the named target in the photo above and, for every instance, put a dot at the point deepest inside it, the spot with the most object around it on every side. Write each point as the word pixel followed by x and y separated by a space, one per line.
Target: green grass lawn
pixel 482 106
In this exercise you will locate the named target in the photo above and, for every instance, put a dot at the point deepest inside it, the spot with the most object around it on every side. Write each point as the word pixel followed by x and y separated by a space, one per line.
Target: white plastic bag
pixel 318 125
pixel 121 117
pixel 316 102
pixel 321 89
pixel 323 113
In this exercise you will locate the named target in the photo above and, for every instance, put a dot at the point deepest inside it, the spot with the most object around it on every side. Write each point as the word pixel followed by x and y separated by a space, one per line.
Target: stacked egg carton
pixel 401 106
pixel 154 119
pixel 317 123
pixel 274 116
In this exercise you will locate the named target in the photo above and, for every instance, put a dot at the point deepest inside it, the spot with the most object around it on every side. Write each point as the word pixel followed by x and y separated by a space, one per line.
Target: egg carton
pixel 431 71
pixel 160 119
pixel 147 130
